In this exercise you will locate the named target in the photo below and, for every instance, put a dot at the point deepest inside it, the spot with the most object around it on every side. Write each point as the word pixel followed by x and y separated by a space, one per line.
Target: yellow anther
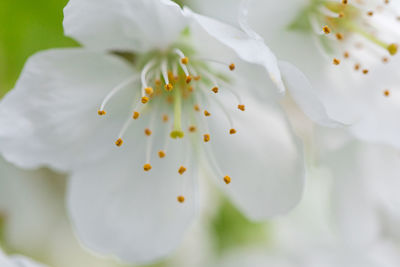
pixel 357 66
pixel 185 60
pixel 345 2
pixel 370 13
pixel 365 71
pixel 232 67
pixel 346 55
pixel 326 29
pixel 149 90
pixel 181 199
pixel 158 82
pixel 227 179
pixel 101 112
pixel 188 79
pixel 206 138
pixel 232 131
pixel 168 87
pixel 196 78
pixel 182 170
pixel 177 134
pixel 386 93
pixel 336 61
pixel 385 59
pixel 242 107
pixel 165 118
pixel 206 113
pixel 161 154
pixel 339 36
pixel 147 132
pixel 341 15
pixel 145 99
pixel 215 89
pixel 190 89
pixel 392 48
pixel 147 167
pixel 192 129
pixel 119 142
pixel 136 115
pixel 196 107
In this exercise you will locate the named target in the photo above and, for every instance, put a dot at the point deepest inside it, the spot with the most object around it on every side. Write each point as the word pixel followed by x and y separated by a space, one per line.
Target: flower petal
pixel 264 160
pixel 303 93
pixel 119 209
pixel 17 261
pixel 127 25
pixel 50 117
pixel 248 48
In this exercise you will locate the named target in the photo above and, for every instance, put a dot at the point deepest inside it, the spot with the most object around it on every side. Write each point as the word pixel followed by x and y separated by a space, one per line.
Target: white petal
pixel 50 117
pixel 119 209
pixel 250 49
pixel 17 261
pixel 303 93
pixel 127 25
pixel 264 160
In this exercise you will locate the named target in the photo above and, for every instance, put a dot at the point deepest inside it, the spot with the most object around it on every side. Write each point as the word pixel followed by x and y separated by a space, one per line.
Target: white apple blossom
pixel 132 190
pixel 347 49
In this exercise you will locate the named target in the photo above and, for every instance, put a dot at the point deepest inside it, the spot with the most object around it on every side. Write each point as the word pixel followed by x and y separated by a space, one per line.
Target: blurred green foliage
pixel 27 26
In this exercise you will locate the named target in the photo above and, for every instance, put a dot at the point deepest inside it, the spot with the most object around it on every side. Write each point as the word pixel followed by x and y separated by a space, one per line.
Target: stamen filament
pixel 182 57
pixel 164 72
pixel 143 75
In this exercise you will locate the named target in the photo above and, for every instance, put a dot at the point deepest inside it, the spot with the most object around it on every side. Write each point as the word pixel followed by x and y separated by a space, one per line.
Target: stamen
pixel 326 29
pixel 184 60
pixel 242 107
pixel 386 93
pixel 149 91
pixel 177 129
pixel 145 99
pixel 143 75
pixel 392 48
pixel 215 89
pixel 147 132
pixel 161 154
pixel 115 90
pixel 196 107
pixel 227 179
pixel 232 67
pixel 147 167
pixel 232 131
pixel 119 142
pixel 181 199
pixel 164 71
pixel 192 129
pixel 206 138
pixel 135 115
pixel 182 170
pixel 336 61
pixel 206 113
pixel 165 118
pixel 365 71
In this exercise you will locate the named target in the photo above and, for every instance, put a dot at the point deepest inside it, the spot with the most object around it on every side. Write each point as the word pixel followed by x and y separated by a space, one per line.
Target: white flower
pixel 348 51
pixel 123 196
pixel 16 261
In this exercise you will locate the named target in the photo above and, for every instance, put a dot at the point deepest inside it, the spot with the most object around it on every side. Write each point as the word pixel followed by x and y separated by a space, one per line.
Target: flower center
pixel 169 83
pixel 349 28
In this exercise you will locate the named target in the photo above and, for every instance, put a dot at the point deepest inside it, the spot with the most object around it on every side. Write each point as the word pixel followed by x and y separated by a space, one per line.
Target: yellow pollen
pixel 147 167
pixel 149 90
pixel 215 89
pixel 192 129
pixel 357 66
pixel 346 54
pixel 135 115
pixel 326 29
pixel 386 93
pixel 177 134
pixel 232 67
pixel 206 138
pixel 182 170
pixel 232 131
pixel 196 107
pixel 206 113
pixel 339 36
pixel 101 112
pixel 181 199
pixel 336 61
pixel 227 179
pixel 119 142
pixel 242 107
pixel 168 87
pixel 147 132
pixel 184 60
pixel 145 99
pixel 196 78
pixel 365 71
pixel 188 79
pixel 165 118
pixel 161 154
pixel 392 48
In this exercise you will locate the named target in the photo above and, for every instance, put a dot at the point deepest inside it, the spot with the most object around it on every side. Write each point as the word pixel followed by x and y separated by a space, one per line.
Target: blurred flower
pixel 348 50
pixel 17 261
pixel 123 199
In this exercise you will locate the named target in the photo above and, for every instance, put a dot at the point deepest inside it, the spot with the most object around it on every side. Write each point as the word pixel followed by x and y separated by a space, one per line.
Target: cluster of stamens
pixel 167 81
